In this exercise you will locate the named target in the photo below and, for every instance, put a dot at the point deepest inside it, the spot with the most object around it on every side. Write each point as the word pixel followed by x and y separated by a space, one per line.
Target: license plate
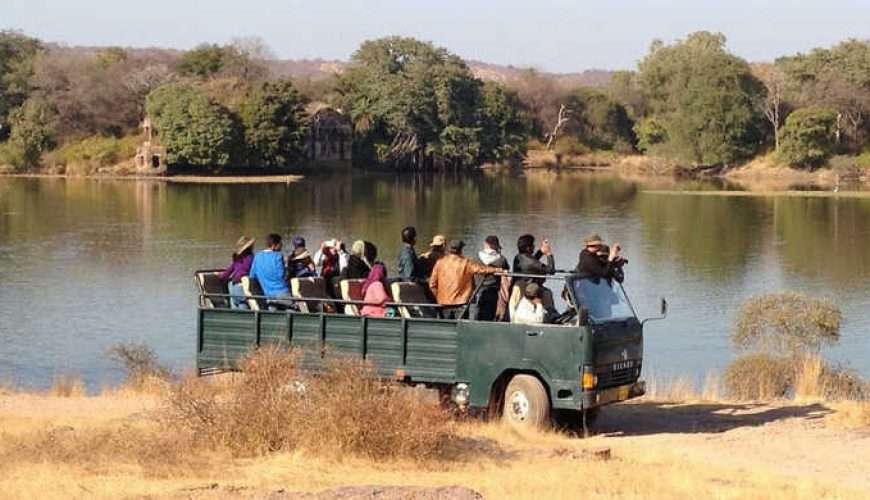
pixel 622 392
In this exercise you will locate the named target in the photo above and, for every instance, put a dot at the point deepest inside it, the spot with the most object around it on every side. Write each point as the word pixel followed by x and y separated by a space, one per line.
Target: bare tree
pixel 772 104
pixel 561 120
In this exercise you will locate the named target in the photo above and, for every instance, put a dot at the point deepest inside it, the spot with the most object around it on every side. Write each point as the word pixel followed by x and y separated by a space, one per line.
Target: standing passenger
pixel 436 251
pixel 591 265
pixel 453 278
pixel 374 294
pixel 241 267
pixel 528 261
pixel 487 298
pixel 408 264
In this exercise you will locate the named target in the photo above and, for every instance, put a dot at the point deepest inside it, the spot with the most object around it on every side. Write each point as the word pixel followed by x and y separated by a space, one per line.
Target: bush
pixel 863 160
pixel 758 377
pixel 11 155
pixel 140 364
pixel 786 323
pixel 95 152
pixel 807 137
pixel 345 410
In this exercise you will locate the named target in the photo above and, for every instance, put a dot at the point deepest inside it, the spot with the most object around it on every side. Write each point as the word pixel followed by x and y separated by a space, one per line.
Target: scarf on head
pixel 488 256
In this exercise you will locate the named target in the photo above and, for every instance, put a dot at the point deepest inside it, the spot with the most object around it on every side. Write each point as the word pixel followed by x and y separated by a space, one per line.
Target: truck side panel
pixel 417 349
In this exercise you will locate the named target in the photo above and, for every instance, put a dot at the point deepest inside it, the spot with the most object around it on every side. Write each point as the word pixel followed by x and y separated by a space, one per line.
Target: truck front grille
pixel 617 374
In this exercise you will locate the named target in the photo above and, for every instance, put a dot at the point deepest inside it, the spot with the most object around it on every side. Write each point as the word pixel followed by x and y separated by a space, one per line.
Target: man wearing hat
pixel 452 280
pixel 591 265
pixel 436 251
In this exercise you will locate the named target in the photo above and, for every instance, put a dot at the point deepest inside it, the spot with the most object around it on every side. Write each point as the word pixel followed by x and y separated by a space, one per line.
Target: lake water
pixel 85 264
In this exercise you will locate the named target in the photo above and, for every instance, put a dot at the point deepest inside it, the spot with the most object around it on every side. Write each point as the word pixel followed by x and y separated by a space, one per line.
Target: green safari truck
pixel 526 374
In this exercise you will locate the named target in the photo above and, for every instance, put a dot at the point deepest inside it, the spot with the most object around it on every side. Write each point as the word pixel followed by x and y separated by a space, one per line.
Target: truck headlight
pixel 459 394
pixel 588 380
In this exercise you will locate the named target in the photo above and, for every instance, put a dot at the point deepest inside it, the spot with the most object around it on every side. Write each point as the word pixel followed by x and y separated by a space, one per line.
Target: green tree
pixel 194 130
pixel 203 61
pixel 704 97
pixel 600 122
pixel 505 124
pixel 31 131
pixel 17 52
pixel 403 95
pixel 807 139
pixel 274 121
pixel 650 134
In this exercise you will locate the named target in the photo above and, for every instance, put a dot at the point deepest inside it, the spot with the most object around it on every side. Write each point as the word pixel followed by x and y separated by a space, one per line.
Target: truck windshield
pixel 605 301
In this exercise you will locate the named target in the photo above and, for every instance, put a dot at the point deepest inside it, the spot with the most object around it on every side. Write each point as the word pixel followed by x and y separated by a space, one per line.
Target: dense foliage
pixel 417 106
pixel 414 105
pixel 703 97
pixel 807 137
pixel 194 130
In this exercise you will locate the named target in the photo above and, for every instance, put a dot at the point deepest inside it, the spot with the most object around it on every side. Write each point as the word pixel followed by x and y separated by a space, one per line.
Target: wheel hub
pixel 519 406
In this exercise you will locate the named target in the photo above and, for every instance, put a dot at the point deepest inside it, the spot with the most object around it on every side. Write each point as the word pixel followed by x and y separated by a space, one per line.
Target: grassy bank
pixel 257 434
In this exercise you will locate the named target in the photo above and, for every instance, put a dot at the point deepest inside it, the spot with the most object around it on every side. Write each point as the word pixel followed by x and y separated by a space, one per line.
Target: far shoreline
pixel 175 179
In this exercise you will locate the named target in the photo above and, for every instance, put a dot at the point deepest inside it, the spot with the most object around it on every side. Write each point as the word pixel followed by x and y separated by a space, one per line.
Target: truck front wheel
pixel 526 402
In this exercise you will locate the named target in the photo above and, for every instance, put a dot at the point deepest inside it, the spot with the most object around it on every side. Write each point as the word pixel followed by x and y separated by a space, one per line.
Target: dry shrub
pixel 852 414
pixel 67 386
pixel 758 377
pixel 349 410
pixel 786 322
pixel 144 372
pixel 671 389
pixel 159 452
pixel 346 409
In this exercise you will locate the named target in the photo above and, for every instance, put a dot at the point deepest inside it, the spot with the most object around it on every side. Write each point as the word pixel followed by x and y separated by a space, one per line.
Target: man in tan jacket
pixel 452 280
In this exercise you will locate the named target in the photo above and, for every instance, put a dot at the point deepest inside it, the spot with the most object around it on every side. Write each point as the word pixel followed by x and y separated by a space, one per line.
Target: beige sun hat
pixel 593 239
pixel 438 240
pixel 244 243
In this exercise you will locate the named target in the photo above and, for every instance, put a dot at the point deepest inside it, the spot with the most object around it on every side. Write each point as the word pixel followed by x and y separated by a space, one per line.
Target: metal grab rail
pixel 331 301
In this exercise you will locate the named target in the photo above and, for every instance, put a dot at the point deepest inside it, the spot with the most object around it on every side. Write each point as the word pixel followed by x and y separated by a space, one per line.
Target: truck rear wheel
pixel 526 403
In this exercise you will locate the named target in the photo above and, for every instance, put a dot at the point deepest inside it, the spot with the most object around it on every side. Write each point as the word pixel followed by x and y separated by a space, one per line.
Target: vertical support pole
pixel 364 336
pixel 404 341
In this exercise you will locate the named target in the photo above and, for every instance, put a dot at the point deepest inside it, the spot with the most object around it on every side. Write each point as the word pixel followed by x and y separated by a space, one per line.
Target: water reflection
pixel 85 264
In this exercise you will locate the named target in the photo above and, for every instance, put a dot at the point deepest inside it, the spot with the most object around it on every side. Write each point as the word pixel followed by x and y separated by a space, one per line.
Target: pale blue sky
pixel 555 35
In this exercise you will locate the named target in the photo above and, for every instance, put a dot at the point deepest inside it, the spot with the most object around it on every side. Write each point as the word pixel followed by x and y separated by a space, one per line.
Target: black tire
pixel 526 403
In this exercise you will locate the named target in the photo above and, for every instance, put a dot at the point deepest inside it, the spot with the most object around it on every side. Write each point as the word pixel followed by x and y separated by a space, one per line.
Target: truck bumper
pixel 610 395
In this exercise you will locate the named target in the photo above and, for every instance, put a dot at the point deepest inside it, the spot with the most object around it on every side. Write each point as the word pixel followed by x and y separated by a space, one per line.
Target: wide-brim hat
pixel 438 240
pixel 593 239
pixel 244 243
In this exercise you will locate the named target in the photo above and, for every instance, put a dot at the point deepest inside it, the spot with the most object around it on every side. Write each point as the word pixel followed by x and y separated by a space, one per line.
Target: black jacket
pixel 591 265
pixel 531 264
pixel 356 268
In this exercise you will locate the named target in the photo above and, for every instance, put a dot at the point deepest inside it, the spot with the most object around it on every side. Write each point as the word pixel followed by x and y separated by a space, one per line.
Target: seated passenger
pixel 358 266
pixel 268 269
pixel 486 303
pixel 591 265
pixel 241 267
pixel 327 258
pixel 427 261
pixel 300 263
pixel 528 261
pixel 453 279
pixel 530 310
pixel 374 294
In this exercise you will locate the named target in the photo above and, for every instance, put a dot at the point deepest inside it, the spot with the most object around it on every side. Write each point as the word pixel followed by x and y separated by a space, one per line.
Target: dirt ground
pixel 657 450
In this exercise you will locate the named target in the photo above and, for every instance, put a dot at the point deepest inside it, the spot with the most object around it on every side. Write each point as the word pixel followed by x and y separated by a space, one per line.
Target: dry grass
pixel 67 386
pixel 852 414
pixel 346 410
pixel 684 389
pixel 758 377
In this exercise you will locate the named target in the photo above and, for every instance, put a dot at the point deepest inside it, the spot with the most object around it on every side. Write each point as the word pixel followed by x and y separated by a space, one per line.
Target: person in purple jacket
pixel 241 267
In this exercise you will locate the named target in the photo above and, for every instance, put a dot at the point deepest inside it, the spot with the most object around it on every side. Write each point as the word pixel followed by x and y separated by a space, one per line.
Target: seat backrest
pixel 251 287
pixel 516 297
pixel 209 283
pixel 309 288
pixel 412 293
pixel 352 290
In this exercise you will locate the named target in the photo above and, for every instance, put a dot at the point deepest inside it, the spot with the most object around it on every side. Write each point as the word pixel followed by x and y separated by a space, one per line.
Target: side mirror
pixel 664 307
pixel 584 316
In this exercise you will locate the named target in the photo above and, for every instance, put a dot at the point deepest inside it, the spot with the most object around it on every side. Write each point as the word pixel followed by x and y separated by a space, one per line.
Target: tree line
pixel 417 106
